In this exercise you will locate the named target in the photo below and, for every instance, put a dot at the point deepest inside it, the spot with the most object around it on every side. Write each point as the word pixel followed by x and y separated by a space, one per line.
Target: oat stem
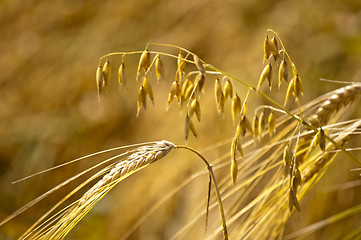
pixel 218 195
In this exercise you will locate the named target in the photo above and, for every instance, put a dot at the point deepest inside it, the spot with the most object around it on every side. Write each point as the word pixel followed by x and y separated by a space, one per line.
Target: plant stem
pixel 216 189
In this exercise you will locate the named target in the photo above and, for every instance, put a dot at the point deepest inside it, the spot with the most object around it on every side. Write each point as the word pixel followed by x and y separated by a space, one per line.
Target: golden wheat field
pixel 180 119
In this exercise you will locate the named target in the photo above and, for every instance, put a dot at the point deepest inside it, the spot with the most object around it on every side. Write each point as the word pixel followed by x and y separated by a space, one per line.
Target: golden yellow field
pixel 50 114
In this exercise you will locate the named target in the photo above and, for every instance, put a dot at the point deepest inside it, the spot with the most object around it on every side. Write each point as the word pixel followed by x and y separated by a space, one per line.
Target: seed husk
pixel 236 106
pixel 293 201
pixel 282 73
pixel 266 48
pixel 290 90
pixel 228 89
pixel 221 104
pixel 99 79
pixel 298 178
pixel 106 73
pixel 174 89
pixel 199 64
pixel 266 74
pixel 148 88
pixel 144 62
pixel 239 147
pixel 181 64
pixel 189 127
pixel 262 123
pixel 141 99
pixel 218 91
pixel 271 123
pixel 239 129
pixel 187 88
pixel 159 68
pixel 255 126
pixel 287 159
pixel 322 141
pixel 195 108
pixel 234 171
pixel 122 76
pixel 200 79
pixel 274 46
pixel 298 89
pixel 246 125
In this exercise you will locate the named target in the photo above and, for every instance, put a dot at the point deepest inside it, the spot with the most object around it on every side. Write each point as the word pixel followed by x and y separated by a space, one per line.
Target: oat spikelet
pixel 236 107
pixel 199 64
pixel 293 201
pixel 290 90
pixel 322 140
pixel 175 91
pixel 195 108
pixel 99 79
pixel 219 94
pixel 234 171
pixel 287 159
pixel 144 62
pixel 262 123
pixel 122 76
pixel 141 99
pixel 148 88
pixel 298 89
pixel 266 74
pixel 189 127
pixel 255 126
pixel 181 64
pixel 228 89
pixel 106 73
pixel 282 73
pixel 266 48
pixel 271 123
pixel 159 67
pixel 186 91
pixel 200 79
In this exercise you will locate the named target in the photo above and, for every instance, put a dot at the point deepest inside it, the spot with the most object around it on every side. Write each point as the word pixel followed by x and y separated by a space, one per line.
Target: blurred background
pixel 50 114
